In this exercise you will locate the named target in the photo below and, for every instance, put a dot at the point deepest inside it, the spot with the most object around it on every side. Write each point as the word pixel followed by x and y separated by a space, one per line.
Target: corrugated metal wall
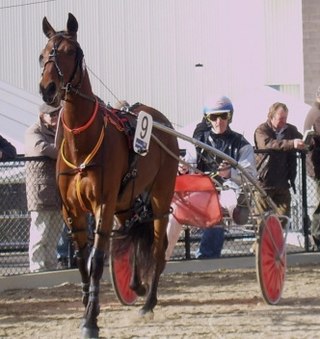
pixel 146 50
pixel 311 48
pixel 284 44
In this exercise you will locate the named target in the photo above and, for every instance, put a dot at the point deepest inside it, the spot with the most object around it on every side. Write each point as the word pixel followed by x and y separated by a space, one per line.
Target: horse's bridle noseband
pixel 53 58
pixel 79 59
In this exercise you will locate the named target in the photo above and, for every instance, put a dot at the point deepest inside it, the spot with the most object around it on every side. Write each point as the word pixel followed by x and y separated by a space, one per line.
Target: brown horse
pixel 98 173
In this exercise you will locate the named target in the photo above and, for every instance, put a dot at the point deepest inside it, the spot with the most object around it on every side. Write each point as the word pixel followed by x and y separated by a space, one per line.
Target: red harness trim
pixel 85 126
pixel 121 122
pixel 112 117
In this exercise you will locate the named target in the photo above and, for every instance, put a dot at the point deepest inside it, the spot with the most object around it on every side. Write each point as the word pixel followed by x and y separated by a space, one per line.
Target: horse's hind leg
pixel 159 264
pixel 136 283
pixel 161 197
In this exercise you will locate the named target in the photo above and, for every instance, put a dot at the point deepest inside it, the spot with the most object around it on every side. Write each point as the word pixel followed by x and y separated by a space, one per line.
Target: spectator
pixel 66 254
pixel 7 150
pixel 65 250
pixel 277 167
pixel 312 121
pixel 42 195
pixel 215 131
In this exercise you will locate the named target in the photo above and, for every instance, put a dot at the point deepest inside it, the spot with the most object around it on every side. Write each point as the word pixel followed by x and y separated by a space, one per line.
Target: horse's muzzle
pixel 49 93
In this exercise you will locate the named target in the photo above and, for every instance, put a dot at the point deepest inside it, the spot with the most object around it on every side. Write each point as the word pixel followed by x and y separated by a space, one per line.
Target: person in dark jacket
pixel 214 130
pixel 312 122
pixel 7 150
pixel 277 165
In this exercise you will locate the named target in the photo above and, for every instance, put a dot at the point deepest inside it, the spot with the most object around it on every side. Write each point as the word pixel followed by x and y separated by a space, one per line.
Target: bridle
pixel 53 57
pixel 73 85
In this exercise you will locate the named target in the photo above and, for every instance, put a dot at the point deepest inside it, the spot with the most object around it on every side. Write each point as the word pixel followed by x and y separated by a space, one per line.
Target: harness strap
pixel 130 175
pixel 120 120
pixel 86 125
pixel 115 121
pixel 88 158
pixel 79 169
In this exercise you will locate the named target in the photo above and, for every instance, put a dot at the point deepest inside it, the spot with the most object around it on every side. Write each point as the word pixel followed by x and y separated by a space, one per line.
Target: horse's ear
pixel 47 28
pixel 72 24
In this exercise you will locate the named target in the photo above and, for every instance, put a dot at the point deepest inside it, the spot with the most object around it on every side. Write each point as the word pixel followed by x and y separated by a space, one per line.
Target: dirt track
pixel 219 304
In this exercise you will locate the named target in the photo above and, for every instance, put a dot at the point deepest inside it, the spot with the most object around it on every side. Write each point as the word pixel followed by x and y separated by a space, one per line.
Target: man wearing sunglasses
pixel 215 131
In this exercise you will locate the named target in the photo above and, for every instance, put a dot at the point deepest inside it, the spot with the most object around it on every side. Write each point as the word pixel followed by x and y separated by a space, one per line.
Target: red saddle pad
pixel 196 201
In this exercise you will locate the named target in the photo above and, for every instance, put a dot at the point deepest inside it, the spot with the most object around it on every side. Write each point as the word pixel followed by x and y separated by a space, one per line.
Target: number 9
pixel 144 127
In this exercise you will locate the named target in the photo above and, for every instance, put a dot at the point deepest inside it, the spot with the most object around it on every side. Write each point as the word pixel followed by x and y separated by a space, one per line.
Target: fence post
pixel 305 216
pixel 187 243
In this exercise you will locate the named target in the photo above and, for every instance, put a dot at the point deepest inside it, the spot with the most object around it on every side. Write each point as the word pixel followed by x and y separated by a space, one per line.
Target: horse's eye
pixel 71 52
pixel 41 60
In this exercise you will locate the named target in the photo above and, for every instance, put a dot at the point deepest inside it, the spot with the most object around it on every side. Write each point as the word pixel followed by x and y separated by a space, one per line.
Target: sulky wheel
pixel 271 259
pixel 120 272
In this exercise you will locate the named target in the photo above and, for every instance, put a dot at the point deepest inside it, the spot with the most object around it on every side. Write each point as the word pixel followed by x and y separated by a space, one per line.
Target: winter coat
pixel 312 120
pixel 230 143
pixel 42 193
pixel 277 168
pixel 9 152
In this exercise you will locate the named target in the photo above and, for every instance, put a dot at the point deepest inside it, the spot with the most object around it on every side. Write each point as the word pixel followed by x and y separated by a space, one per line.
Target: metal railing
pixel 15 221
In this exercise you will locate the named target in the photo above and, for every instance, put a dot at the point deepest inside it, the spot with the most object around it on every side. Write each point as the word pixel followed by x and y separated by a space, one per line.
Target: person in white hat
pixel 215 131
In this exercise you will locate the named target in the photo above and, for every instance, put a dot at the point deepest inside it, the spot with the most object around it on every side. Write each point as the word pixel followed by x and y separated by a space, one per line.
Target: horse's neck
pixel 79 107
pixel 79 116
pixel 76 113
pixel 82 91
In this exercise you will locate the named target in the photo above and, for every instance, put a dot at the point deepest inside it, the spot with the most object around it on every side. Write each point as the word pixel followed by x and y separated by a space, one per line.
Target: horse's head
pixel 61 60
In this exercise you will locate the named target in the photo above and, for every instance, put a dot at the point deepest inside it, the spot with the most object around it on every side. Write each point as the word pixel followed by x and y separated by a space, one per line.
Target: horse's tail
pixel 139 237
pixel 143 237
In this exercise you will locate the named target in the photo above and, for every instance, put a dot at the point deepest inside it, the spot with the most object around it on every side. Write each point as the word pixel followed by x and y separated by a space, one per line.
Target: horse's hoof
pixel 89 333
pixel 147 315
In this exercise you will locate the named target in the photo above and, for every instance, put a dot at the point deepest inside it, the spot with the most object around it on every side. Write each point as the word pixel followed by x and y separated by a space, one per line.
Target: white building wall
pixel 284 45
pixel 146 50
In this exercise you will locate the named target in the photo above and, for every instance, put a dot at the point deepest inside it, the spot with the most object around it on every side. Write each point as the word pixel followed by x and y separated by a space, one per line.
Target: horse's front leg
pixel 96 259
pixel 79 231
pixel 82 255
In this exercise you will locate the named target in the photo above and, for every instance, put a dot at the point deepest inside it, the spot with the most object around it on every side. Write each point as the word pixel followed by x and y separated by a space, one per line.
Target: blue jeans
pixel 64 248
pixel 211 243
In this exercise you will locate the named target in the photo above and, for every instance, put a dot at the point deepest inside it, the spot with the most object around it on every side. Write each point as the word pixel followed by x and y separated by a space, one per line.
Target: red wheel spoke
pixel 121 272
pixel 271 260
